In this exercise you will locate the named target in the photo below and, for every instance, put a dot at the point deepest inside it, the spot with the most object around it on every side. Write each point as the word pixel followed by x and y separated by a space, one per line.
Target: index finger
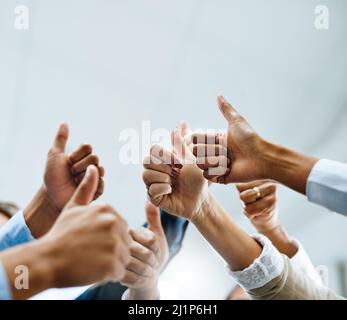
pixel 206 138
pixel 146 238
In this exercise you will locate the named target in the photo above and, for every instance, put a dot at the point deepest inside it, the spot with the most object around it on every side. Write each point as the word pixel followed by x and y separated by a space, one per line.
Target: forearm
pixel 237 248
pixel 281 240
pixel 40 214
pixel 286 166
pixel 29 269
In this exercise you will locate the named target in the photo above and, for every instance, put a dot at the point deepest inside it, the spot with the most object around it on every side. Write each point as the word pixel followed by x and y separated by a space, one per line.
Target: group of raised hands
pixel 79 242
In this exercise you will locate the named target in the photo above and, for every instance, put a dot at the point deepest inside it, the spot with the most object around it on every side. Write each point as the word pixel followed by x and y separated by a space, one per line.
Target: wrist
pixel 205 210
pixel 40 214
pixel 281 240
pixel 270 155
pixel 285 166
pixel 237 248
pixel 36 269
pixel 46 259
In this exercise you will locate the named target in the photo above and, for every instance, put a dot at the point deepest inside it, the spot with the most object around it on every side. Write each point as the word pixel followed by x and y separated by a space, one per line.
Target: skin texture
pixel 87 244
pixel 250 157
pixel 63 173
pixel 186 195
pixel 149 254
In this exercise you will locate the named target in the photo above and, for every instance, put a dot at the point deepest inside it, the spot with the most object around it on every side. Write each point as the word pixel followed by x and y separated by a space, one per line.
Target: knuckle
pixel 85 147
pixel 94 159
pixel 124 255
pixel 250 210
pixel 152 240
pixel 107 227
pixel 155 149
pixel 105 208
pixel 149 243
pixel 272 200
pixel 147 254
pixel 244 197
pixel 273 187
pixel 147 160
pixel 50 152
pixel 145 176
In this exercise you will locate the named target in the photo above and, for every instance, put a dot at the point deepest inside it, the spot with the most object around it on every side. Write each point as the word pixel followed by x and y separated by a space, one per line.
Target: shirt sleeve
pixel 292 284
pixel 5 291
pixel 327 185
pixel 263 270
pixel 301 262
pixel 15 232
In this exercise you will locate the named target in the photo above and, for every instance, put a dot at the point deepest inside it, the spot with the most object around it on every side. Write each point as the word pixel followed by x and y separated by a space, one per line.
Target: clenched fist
pixel 149 254
pixel 64 172
pixel 174 181
pixel 62 176
pixel 88 243
pixel 259 199
pixel 236 153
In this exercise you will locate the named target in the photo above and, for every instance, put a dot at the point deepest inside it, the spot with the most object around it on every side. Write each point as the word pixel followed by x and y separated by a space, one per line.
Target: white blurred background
pixel 105 66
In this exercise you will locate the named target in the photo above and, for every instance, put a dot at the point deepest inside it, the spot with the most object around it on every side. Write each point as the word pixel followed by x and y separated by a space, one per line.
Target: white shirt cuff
pixel 327 185
pixel 264 269
pixel 125 295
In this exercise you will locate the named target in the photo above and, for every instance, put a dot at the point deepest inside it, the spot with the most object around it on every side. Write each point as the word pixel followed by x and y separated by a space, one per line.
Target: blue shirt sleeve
pixel 327 185
pixel 5 291
pixel 15 232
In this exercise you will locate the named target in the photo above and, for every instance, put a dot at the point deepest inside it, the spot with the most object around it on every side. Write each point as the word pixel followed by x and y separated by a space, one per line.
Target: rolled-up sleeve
pixel 5 292
pixel 15 232
pixel 327 185
pixel 263 270
pixel 292 284
pixel 273 277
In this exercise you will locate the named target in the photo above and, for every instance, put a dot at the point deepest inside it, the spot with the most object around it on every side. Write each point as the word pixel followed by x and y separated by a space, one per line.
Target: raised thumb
pixel 227 110
pixel 180 147
pixel 61 138
pixel 153 218
pixel 85 192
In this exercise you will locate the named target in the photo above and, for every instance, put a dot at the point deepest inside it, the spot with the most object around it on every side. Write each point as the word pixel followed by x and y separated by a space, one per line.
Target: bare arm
pixel 236 247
